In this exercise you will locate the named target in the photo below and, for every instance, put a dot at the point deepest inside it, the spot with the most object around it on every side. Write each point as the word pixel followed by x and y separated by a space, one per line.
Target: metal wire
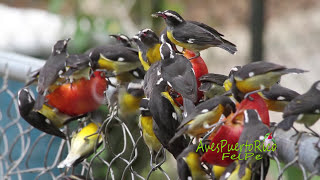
pixel 117 155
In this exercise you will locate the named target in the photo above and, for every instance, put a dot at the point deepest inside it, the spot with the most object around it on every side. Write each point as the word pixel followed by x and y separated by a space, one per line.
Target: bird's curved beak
pixel 113 35
pixel 158 14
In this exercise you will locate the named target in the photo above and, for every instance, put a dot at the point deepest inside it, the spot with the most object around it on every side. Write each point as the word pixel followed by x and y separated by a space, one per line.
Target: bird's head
pixel 171 18
pixel 123 39
pixel 25 101
pixel 60 46
pixel 148 37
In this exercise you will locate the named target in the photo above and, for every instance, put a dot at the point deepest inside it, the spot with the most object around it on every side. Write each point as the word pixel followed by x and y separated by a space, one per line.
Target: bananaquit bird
pixel 82 145
pixel 146 126
pixel 304 109
pixel 166 115
pixel 129 98
pixel 277 97
pixel 36 119
pixel 257 76
pixel 189 165
pixel 51 70
pixel 193 35
pixel 254 130
pixel 116 58
pixel 212 85
pixel 178 72
pixel 204 115
pixel 129 76
pixel 148 45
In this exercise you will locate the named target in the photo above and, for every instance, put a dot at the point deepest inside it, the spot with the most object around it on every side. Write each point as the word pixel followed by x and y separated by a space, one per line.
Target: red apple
pixel 79 97
pixel 199 66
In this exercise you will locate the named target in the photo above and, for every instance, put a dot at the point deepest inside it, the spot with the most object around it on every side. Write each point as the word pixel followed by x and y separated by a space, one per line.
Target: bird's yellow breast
pixel 146 124
pixel 130 103
pixel 153 54
pixel 144 62
pixel 193 161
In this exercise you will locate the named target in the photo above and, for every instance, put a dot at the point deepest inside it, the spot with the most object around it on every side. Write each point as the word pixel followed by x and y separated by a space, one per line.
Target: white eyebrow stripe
pixel 146 30
pixel 170 14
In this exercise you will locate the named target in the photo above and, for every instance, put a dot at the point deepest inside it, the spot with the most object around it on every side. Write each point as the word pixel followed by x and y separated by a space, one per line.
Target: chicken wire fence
pixel 25 152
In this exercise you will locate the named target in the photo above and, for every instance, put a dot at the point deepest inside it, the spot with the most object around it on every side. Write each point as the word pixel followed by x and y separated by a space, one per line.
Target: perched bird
pixel 257 76
pixel 83 144
pixel 277 97
pixel 49 73
pixel 146 126
pixel 193 35
pixel 254 130
pixel 166 115
pixel 129 98
pixel 212 85
pixel 148 44
pixel 205 115
pixel 304 108
pixel 189 165
pixel 178 72
pixel 36 119
pixel 115 58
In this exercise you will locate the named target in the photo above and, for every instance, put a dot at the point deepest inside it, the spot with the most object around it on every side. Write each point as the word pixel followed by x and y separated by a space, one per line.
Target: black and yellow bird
pixel 177 70
pixel 34 118
pixel 304 108
pixel 148 44
pixel 146 126
pixel 49 73
pixel 193 35
pixel 83 144
pixel 254 131
pixel 189 165
pixel 115 58
pixel 166 115
pixel 129 98
pixel 277 97
pixel 204 116
pixel 212 85
pixel 257 76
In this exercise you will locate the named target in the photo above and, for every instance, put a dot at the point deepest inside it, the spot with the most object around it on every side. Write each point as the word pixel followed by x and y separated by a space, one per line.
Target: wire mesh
pixel 115 158
pixel 122 154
